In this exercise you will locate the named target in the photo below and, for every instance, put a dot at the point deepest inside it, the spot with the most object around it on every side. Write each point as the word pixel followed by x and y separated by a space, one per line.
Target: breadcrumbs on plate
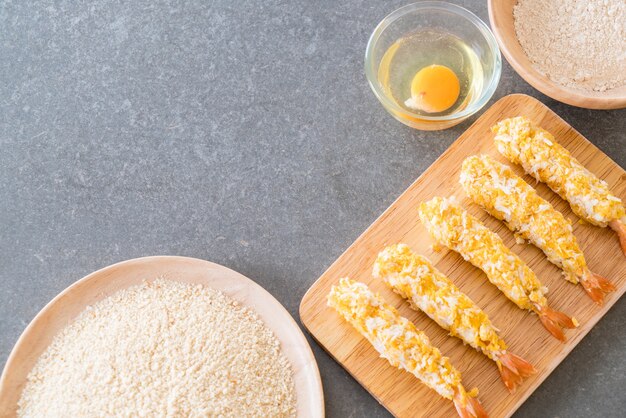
pixel 166 349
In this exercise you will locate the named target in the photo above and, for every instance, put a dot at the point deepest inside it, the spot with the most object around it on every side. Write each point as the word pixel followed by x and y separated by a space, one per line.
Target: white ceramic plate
pixel 102 283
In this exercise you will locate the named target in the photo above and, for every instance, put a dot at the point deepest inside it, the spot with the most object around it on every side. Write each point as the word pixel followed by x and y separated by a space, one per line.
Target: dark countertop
pixel 239 132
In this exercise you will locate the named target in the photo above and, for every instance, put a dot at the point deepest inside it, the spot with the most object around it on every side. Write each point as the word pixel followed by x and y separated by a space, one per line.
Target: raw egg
pixel 434 89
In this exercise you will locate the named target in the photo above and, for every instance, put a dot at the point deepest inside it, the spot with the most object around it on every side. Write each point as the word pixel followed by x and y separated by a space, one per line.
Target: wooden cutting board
pixel 400 392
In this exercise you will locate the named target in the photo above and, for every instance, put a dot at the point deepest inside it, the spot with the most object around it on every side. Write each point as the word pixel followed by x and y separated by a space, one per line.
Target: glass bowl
pixel 443 17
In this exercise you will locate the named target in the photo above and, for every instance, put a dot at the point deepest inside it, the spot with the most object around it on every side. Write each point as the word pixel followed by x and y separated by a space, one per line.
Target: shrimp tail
pixel 554 321
pixel 619 227
pixel 476 408
pixel 467 406
pixel 596 286
pixel 513 369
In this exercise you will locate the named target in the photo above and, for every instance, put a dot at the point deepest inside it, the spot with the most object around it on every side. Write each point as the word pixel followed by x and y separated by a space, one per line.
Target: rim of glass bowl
pixel 370 72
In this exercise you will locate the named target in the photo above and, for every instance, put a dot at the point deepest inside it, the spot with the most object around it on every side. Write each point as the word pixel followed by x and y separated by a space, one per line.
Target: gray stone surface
pixel 239 132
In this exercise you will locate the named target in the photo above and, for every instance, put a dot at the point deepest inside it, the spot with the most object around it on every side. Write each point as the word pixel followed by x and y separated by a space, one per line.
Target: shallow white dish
pixel 98 285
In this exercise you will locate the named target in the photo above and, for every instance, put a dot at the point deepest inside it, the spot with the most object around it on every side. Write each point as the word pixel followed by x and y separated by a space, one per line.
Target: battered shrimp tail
pixel 513 369
pixel 467 406
pixel 620 228
pixel 596 286
pixel 554 321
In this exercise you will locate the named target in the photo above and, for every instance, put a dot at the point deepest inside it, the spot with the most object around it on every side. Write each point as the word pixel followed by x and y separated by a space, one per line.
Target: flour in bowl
pixel 164 349
pixel 579 44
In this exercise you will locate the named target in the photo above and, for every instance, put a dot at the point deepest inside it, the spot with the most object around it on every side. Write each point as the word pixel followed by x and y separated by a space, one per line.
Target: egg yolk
pixel 434 89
